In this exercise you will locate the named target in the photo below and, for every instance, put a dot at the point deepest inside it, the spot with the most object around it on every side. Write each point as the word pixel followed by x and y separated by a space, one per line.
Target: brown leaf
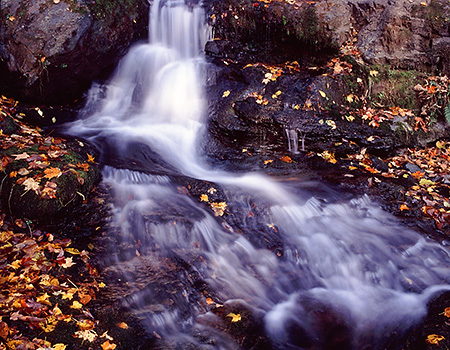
pixel 108 346
pixel 286 159
pixel 31 184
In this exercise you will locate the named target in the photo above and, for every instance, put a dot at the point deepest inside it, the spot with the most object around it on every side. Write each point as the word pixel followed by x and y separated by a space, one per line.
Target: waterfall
pixel 337 261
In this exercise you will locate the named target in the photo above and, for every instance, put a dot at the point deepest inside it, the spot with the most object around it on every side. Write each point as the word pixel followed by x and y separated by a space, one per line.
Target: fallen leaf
pixel 218 208
pixel 204 198
pixel 123 325
pixel 88 335
pixel 73 251
pixel 434 339
pixel 76 305
pixel 286 159
pixel 108 346
pixel 268 161
pixel 404 207
pixel 52 172
pixel 447 312
pixel 23 155
pixel 234 317
pixel 91 158
pixel 31 184
pixel 59 346
pixel 226 93
pixel 323 94
pixel 373 73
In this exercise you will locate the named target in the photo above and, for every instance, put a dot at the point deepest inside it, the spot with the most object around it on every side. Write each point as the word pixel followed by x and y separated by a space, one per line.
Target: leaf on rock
pixel 76 305
pixel 23 155
pixel 204 198
pixel 226 93
pixel 68 263
pixel 91 158
pixel 219 208
pixel 122 325
pixel 434 339
pixel 88 335
pixel 323 94
pixel 447 312
pixel 31 184
pixel 234 317
pixel 52 172
pixel 108 346
pixel 286 159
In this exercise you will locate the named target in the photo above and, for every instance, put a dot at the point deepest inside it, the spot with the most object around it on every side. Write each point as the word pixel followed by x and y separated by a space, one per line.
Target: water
pixel 307 269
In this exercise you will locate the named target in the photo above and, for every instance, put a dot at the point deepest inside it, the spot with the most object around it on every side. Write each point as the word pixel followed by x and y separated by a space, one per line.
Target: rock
pixel 43 178
pixel 50 51
pixel 398 33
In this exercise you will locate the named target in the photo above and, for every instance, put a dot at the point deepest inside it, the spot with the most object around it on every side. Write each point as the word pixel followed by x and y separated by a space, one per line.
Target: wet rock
pixel 51 51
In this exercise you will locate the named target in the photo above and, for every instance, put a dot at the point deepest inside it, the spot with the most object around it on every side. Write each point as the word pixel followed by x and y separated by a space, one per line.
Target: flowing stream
pixel 336 273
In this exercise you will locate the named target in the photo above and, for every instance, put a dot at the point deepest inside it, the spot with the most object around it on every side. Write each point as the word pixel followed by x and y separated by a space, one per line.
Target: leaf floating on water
pixel 434 339
pixel 234 317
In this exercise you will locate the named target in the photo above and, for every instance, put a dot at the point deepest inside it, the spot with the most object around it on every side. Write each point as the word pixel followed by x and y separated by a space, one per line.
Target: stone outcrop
pixel 50 51
pixel 404 33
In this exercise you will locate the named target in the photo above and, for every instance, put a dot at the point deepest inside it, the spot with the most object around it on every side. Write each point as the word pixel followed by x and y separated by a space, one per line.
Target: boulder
pixel 50 51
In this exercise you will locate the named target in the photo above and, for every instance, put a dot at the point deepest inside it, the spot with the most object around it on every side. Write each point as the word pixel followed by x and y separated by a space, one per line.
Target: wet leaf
pixel 52 172
pixel 268 161
pixel 404 207
pixel 434 339
pixel 123 325
pixel 59 346
pixel 108 346
pixel 73 251
pixel 447 312
pixel 204 198
pixel 23 155
pixel 226 93
pixel 286 159
pixel 234 317
pixel 212 190
pixel 373 73
pixel 323 94
pixel 91 158
pixel 219 208
pixel 426 183
pixel 88 335
pixel 76 305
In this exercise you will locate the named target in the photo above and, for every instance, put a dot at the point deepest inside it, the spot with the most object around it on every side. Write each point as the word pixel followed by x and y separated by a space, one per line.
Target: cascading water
pixel 338 264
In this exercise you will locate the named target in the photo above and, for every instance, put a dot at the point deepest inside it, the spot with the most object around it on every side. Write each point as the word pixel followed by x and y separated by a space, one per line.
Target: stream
pixel 304 270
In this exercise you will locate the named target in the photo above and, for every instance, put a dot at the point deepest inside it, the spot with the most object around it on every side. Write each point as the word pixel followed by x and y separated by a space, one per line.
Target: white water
pixel 348 257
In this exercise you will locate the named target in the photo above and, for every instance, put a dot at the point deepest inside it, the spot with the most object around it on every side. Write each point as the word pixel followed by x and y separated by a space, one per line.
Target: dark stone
pixel 50 53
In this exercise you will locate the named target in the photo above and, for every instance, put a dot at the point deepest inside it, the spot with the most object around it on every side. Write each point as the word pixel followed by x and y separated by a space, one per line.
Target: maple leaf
pixel 204 198
pixel 404 207
pixel 31 184
pixel 43 299
pixel 52 172
pixel 234 317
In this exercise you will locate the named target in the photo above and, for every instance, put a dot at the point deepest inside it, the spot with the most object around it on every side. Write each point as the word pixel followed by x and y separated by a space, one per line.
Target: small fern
pixel 447 113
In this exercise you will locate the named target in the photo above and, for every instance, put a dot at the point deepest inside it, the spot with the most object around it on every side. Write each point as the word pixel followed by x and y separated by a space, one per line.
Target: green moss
pixel 394 87
pixel 436 13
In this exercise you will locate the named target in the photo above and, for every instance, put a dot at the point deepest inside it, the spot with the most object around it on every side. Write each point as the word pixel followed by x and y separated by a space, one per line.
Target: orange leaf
pixel 286 159
pixel 108 346
pixel 50 173
pixel 404 207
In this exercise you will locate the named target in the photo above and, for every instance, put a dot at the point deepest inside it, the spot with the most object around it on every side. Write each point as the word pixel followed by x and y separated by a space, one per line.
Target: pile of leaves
pixel 42 172
pixel 42 305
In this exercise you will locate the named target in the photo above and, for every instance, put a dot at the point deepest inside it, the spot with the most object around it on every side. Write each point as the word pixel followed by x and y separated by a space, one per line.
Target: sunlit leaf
pixel 234 317
pixel 108 346
pixel 204 198
pixel 323 94
pixel 286 159
pixel 218 208
pixel 122 325
pixel 59 346
pixel 52 172
pixel 434 339
pixel 404 207
pixel 226 93
pixel 31 184
pixel 76 305
pixel 89 335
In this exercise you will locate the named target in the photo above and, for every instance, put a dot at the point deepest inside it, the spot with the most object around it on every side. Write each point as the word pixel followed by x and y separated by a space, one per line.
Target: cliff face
pixel 51 50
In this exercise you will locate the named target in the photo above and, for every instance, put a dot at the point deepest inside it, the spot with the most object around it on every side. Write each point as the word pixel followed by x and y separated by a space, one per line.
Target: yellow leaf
pixel 234 317
pixel 373 73
pixel 73 251
pixel 426 183
pixel 350 98
pixel 268 161
pixel 352 167
pixel 76 305
pixel 349 118
pixel 297 107
pixel 440 144
pixel 226 93
pixel 204 198
pixel 43 299
pixel 323 94
pixel 219 208
pixel 434 339
pixel 88 335
pixel 423 3
pixel 91 158
pixel 59 346
pixel 101 285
